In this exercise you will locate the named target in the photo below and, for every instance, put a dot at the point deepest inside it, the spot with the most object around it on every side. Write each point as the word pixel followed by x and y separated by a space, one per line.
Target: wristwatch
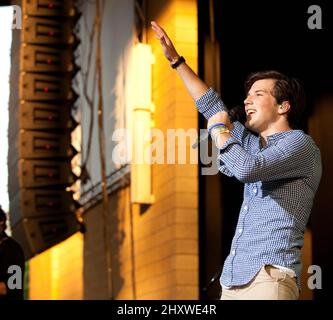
pixel 179 61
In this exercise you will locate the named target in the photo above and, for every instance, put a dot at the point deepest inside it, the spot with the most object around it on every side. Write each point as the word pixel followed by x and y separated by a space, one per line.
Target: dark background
pixel 256 35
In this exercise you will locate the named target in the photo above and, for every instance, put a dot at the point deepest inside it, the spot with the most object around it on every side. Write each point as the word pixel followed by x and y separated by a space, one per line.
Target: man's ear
pixel 284 107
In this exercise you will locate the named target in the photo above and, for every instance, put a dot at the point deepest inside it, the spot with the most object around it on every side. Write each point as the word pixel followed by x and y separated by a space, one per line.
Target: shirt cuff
pixel 210 103
pixel 223 168
pixel 229 142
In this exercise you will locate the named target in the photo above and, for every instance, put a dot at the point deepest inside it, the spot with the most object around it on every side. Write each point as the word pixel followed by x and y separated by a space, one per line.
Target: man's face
pixel 261 106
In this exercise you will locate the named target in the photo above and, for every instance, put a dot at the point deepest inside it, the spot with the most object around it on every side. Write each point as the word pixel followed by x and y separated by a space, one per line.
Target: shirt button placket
pixel 245 209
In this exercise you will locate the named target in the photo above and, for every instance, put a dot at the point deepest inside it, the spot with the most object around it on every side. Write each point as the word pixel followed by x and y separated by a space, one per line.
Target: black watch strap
pixel 180 60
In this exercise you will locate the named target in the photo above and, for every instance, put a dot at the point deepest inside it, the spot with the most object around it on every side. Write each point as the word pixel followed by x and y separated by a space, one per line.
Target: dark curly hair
pixel 285 89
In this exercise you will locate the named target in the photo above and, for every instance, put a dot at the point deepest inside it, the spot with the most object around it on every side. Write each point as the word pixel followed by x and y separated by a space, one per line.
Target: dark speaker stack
pixel 42 210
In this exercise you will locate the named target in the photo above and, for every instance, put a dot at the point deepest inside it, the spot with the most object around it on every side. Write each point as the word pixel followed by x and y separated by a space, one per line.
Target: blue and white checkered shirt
pixel 281 180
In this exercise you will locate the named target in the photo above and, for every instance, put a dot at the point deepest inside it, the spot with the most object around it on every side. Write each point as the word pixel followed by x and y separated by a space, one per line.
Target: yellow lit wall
pixel 56 274
pixel 166 235
pixel 155 252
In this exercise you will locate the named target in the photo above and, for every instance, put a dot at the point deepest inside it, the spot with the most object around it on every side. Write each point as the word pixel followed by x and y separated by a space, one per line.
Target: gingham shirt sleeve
pixel 289 158
pixel 211 103
pixel 223 168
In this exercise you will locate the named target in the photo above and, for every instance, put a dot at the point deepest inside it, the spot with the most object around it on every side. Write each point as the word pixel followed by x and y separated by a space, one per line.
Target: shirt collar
pixel 277 136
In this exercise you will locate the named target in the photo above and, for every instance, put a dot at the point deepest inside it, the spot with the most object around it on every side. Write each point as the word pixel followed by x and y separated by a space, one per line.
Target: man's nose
pixel 248 100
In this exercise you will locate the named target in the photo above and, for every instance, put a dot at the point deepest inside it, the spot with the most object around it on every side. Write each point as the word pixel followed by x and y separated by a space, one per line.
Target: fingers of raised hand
pixel 159 30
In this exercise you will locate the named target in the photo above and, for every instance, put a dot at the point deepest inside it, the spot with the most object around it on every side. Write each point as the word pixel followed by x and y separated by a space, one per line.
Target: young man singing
pixel 280 167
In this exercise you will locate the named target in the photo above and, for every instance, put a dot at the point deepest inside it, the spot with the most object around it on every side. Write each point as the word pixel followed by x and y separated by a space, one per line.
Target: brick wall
pixel 166 236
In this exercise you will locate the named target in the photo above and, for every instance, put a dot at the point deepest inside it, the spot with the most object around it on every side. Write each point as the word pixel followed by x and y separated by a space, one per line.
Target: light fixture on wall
pixel 141 108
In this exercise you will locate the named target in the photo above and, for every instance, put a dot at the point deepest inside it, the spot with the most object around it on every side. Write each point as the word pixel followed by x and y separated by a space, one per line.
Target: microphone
pixel 235 114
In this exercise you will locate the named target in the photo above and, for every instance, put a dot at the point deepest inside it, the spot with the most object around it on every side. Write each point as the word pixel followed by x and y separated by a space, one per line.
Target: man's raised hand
pixel 167 46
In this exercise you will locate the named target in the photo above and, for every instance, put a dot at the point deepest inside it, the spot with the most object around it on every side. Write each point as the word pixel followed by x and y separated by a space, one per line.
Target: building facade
pixel 154 246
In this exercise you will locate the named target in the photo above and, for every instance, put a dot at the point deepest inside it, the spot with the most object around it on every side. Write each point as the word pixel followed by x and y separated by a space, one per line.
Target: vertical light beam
pixel 6 19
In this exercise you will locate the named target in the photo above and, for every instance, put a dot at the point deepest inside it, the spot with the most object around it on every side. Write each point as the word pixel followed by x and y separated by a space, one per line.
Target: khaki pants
pixel 270 283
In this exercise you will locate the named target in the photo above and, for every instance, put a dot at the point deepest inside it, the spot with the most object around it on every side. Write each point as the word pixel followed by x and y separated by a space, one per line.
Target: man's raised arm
pixel 194 85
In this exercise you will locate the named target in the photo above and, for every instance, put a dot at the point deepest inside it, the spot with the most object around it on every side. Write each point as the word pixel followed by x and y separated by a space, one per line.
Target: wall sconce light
pixel 140 103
